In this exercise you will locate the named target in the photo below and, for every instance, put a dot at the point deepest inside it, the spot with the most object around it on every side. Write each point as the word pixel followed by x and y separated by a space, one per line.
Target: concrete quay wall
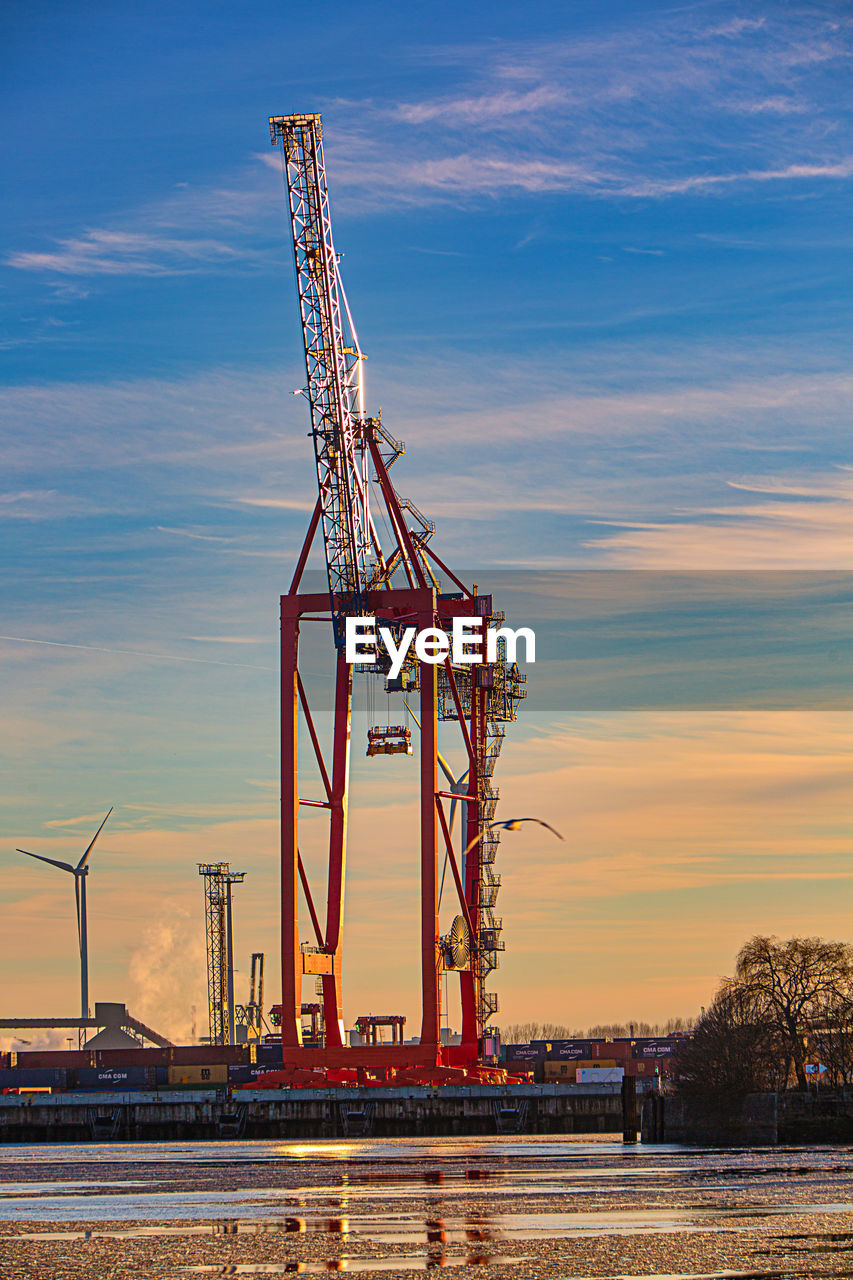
pixel 755 1120
pixel 310 1113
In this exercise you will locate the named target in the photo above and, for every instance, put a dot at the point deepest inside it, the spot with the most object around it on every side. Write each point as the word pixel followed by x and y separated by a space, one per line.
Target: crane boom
pixel 333 363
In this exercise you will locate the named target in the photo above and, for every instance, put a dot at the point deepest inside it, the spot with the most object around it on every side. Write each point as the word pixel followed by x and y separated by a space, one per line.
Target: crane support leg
pixel 332 994
pixel 430 967
pixel 291 959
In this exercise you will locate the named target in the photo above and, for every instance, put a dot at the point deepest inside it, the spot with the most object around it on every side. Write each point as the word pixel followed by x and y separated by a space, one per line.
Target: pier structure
pixel 310 1113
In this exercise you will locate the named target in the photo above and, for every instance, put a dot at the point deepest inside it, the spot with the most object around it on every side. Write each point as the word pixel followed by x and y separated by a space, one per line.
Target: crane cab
pixel 389 740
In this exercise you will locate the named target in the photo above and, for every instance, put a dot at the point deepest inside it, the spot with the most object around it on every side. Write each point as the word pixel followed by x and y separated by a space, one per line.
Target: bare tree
pixel 524 1032
pixel 732 1051
pixel 832 1039
pixel 791 985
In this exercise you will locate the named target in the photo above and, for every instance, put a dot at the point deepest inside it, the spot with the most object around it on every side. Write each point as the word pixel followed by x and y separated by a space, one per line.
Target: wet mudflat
pixel 513 1207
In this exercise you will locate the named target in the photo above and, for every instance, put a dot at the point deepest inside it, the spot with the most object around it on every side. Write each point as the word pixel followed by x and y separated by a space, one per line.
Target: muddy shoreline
pixel 516 1208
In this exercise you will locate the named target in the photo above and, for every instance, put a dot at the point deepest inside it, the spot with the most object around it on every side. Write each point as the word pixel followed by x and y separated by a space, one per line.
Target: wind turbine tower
pixel 80 872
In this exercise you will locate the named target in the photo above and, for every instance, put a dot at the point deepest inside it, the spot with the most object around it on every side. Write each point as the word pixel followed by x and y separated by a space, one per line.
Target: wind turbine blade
pixel 443 765
pixel 65 866
pixel 85 857
pixel 454 786
pixel 77 899
pixel 445 769
pixel 443 874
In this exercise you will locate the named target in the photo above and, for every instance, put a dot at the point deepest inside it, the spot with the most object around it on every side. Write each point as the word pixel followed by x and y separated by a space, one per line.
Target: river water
pixel 520 1207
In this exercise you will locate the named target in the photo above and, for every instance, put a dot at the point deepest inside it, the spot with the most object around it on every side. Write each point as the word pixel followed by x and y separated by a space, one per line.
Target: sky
pixel 600 260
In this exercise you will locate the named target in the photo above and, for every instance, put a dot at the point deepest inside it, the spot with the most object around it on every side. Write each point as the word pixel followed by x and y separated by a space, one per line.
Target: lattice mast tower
pixel 403 583
pixel 218 879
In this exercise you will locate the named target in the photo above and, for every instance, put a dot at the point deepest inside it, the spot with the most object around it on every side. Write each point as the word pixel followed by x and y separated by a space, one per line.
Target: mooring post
pixel 629 1108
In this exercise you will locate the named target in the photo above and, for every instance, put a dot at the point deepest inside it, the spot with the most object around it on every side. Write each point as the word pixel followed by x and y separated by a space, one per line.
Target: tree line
pixel 524 1032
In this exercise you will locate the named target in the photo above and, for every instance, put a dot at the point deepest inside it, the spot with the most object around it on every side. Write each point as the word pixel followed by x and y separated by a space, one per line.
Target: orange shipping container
pixel 567 1070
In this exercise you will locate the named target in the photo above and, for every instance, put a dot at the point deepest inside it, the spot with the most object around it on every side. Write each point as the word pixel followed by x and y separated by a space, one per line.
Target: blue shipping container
pixel 37 1077
pixel 113 1078
pixel 525 1052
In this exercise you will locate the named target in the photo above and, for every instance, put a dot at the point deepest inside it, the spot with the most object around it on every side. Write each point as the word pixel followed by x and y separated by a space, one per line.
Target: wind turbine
pixel 457 786
pixel 80 872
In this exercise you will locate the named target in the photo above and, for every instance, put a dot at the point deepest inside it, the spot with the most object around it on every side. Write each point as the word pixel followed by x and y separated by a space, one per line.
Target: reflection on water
pixel 354 1263
pixel 443 1204
pixel 480 1228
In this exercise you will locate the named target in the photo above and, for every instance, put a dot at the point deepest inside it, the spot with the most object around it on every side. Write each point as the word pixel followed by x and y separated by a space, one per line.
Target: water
pixel 399 1205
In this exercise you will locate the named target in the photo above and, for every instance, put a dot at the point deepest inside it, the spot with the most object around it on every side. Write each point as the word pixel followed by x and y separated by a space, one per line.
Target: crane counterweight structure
pixel 403 584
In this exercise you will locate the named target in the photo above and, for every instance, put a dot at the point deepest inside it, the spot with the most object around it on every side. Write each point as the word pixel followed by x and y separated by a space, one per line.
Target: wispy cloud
pixel 797 526
pixel 778 104
pixel 131 653
pixel 193 229
pixel 33 504
pixel 102 252
pixel 77 821
pixel 487 108
pixel 191 533
pixel 276 504
pixel 616 116
pixel 230 639
pixel 613 117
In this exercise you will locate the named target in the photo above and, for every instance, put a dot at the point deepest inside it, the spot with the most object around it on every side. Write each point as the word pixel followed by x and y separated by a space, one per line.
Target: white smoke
pixel 32 1039
pixel 168 976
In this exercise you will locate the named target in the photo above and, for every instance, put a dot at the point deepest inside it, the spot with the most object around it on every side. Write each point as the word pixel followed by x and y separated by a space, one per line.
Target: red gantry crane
pixel 402 584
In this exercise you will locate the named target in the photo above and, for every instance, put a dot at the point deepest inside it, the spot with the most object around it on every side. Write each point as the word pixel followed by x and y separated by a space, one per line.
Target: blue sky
pixel 600 261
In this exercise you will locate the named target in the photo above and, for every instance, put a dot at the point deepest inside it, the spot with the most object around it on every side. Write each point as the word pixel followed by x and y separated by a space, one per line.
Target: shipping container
pixel 269 1054
pixel 194 1055
pixel 61 1058
pixel 40 1077
pixel 176 1055
pixel 120 1058
pixel 660 1048
pixel 600 1075
pixel 580 1063
pixel 199 1075
pixel 558 1071
pixel 113 1078
pixel 245 1074
pixel 569 1052
pixel 618 1049
pixel 554 1048
pixel 526 1052
pixel 568 1070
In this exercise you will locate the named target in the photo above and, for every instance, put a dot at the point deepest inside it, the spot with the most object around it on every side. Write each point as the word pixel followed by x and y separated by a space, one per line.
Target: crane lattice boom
pixel 333 362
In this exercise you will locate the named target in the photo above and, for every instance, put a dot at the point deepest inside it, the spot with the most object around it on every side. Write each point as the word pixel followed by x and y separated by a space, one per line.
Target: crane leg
pixel 291 958
pixel 332 993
